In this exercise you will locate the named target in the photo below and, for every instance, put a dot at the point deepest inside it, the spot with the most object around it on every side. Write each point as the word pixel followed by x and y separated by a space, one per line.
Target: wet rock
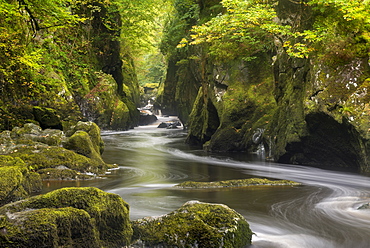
pixel 236 183
pixel 364 206
pixel 68 217
pixel 195 224
pixel 163 125
pixel 146 119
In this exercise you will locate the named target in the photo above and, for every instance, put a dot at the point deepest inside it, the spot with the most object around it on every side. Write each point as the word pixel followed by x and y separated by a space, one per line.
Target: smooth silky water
pixel 322 213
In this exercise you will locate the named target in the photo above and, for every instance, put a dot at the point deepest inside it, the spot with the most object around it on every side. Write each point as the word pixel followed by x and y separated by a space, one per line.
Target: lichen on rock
pixel 195 224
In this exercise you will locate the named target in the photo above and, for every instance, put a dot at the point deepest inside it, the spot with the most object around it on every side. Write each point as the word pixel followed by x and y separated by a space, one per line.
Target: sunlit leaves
pixel 251 25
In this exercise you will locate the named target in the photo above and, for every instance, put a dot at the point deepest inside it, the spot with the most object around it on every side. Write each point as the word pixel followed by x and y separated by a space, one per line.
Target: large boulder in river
pixel 195 224
pixel 68 217
pixel 80 142
pixel 94 132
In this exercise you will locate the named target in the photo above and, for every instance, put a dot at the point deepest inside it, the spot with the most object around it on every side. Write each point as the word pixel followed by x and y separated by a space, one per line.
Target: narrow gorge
pixel 252 91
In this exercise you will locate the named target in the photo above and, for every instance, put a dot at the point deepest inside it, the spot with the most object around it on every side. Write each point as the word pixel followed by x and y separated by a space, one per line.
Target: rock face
pixel 310 111
pixel 195 224
pixel 69 217
pixel 85 73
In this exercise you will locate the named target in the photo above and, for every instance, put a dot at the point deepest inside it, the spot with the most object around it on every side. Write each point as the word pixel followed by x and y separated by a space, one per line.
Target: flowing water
pixel 321 213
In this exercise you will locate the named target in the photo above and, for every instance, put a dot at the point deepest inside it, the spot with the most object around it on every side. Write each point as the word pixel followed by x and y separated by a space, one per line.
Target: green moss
pixel 62 174
pixel 195 224
pixel 236 183
pixel 120 116
pixel 63 227
pixel 109 213
pixel 94 132
pixel 41 157
pixel 81 143
pixel 17 182
pixel 204 120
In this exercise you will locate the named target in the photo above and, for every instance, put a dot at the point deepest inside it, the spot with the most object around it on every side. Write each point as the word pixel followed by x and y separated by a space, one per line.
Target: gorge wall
pixel 310 110
pixel 67 58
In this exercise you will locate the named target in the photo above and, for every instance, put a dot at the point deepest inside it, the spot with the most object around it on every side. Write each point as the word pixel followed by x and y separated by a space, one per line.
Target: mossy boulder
pixel 63 227
pixel 195 224
pixel 32 132
pixel 80 142
pixel 47 117
pixel 42 149
pixel 40 157
pixel 17 181
pixel 236 183
pixel 94 132
pixel 68 217
pixel 62 173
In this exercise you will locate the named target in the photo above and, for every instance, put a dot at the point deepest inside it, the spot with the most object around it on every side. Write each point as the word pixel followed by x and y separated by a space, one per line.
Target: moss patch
pixel 17 181
pixel 62 174
pixel 195 224
pixel 236 183
pixel 108 217
pixel 64 227
pixel 41 157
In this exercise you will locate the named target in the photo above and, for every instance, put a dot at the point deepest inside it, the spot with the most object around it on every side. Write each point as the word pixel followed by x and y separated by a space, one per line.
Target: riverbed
pixel 322 212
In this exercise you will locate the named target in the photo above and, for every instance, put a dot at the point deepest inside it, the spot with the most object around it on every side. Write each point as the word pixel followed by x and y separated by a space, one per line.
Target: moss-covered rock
pixel 62 173
pixel 203 120
pixel 81 143
pixel 17 181
pixel 94 132
pixel 195 224
pixel 236 183
pixel 68 217
pixel 41 157
pixel 41 149
pixel 47 117
pixel 63 227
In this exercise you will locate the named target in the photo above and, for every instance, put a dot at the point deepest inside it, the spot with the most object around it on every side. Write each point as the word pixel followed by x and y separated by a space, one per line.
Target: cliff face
pixel 311 111
pixel 75 66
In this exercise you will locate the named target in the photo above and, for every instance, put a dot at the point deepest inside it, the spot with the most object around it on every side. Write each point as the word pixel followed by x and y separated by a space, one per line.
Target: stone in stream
pixel 68 217
pixel 195 224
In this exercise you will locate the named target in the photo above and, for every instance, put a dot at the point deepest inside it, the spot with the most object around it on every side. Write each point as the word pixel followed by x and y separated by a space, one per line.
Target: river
pixel 321 213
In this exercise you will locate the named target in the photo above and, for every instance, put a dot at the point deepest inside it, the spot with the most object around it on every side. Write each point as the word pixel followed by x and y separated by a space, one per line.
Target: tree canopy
pixel 247 27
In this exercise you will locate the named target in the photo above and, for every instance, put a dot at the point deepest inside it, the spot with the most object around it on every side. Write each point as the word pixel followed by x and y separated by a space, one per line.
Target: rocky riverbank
pixel 89 217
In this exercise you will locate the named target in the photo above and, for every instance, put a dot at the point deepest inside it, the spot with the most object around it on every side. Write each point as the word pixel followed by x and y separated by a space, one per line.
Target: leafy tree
pixel 250 26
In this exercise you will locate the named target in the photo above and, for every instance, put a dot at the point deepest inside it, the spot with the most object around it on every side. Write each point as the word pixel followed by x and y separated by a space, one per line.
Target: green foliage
pixel 185 15
pixel 249 27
